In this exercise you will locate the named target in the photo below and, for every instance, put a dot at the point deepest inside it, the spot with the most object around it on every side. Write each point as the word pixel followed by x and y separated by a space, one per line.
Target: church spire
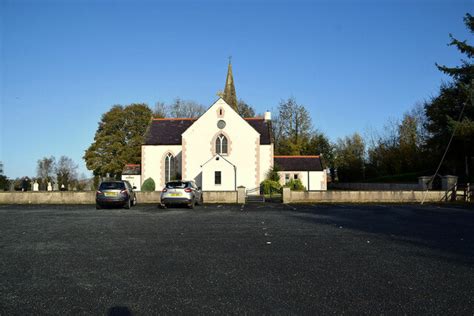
pixel 229 94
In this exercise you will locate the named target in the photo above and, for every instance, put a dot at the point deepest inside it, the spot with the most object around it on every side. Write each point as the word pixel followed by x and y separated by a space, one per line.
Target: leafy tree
pixel 4 183
pixel 148 185
pixel 319 144
pixel 444 110
pixel 292 128
pixel 66 172
pixel 118 139
pixel 349 158
pixel 244 109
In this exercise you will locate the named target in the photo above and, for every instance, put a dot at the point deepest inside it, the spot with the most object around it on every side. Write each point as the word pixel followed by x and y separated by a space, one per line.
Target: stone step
pixel 255 199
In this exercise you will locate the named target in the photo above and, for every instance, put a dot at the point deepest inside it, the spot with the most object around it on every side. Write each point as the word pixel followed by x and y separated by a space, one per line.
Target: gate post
pixel 241 195
pixel 286 196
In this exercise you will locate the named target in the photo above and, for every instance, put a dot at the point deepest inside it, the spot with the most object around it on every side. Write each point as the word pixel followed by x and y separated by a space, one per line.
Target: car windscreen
pixel 112 186
pixel 177 185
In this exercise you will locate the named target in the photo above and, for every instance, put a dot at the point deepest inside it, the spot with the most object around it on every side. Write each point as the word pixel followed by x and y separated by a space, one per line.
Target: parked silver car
pixel 181 192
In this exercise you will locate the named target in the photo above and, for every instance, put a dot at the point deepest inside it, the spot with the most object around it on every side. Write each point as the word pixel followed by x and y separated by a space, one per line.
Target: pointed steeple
pixel 229 94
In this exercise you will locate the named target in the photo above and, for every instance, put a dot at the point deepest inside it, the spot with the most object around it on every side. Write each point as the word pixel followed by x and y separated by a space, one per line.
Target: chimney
pixel 268 116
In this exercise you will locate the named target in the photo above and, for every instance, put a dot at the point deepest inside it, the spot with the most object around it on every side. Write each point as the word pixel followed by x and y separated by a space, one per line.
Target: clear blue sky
pixel 354 64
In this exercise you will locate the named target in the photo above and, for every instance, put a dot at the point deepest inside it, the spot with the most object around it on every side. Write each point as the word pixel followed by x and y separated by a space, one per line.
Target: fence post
pixel 455 192
pixel 467 197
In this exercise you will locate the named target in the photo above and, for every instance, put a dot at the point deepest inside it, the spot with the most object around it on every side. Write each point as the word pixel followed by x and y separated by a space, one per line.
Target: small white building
pixel 132 173
pixel 308 169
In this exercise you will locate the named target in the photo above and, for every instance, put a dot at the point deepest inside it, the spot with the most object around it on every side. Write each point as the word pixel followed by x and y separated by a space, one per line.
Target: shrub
pixel 272 174
pixel 270 186
pixel 295 185
pixel 148 185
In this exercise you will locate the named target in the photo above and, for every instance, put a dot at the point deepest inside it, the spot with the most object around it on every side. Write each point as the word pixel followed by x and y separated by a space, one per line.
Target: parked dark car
pixel 181 192
pixel 115 193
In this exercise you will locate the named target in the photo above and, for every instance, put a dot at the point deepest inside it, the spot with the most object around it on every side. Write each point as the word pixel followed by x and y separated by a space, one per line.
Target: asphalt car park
pixel 260 258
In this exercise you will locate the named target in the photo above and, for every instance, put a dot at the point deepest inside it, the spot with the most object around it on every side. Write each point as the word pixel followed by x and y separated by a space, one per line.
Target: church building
pixel 220 150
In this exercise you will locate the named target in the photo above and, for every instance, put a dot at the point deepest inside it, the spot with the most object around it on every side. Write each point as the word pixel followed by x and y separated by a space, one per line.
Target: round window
pixel 221 124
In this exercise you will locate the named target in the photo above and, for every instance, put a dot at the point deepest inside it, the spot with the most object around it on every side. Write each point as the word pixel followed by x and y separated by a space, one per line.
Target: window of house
pixel 217 177
pixel 295 176
pixel 169 167
pixel 221 145
pixel 287 177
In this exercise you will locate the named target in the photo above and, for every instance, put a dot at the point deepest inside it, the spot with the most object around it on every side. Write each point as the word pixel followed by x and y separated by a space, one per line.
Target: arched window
pixel 169 168
pixel 221 145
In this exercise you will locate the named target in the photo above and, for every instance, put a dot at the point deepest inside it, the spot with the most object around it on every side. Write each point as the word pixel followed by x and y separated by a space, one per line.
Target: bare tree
pixel 185 108
pixel 66 172
pixel 45 170
pixel 160 110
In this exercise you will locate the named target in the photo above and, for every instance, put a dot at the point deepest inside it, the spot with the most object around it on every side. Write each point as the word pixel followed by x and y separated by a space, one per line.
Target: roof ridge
pixel 298 156
pixel 254 118
pixel 175 119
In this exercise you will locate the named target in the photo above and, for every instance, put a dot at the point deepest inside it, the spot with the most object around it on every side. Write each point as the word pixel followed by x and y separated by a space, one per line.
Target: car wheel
pixel 128 204
pixel 134 200
pixel 98 207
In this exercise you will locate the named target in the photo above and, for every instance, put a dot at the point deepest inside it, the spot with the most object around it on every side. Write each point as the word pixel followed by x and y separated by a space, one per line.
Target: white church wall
pixel 266 160
pixel 243 145
pixel 227 175
pixel 153 162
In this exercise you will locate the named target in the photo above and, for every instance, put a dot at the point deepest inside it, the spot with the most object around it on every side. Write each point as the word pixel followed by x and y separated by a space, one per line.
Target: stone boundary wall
pixel 377 186
pixel 88 197
pixel 361 196
pixel 220 196
pixel 56 197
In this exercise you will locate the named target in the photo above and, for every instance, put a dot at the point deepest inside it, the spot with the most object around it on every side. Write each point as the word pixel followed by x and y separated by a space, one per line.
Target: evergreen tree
pixel 444 110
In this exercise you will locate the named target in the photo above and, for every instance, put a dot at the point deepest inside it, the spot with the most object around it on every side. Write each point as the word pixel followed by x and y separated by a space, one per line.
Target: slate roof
pixel 298 163
pixel 131 169
pixel 168 131
pixel 263 127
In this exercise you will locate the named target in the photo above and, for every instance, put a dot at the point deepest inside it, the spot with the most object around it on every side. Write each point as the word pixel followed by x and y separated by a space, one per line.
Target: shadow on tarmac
pixel 443 228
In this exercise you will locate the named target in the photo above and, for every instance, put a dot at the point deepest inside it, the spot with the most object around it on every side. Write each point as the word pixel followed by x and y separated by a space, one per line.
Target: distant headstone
pixel 425 182
pixel 50 187
pixel 448 182
pixel 55 187
pixel 35 186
